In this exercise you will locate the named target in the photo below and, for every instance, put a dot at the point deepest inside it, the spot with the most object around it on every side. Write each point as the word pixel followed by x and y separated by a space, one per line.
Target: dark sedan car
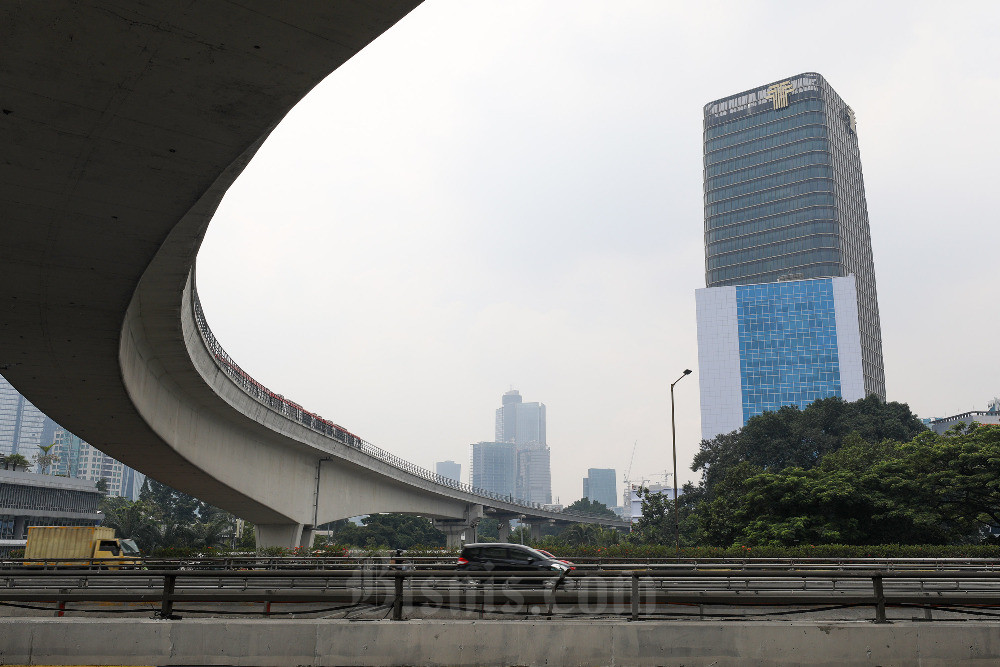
pixel 498 556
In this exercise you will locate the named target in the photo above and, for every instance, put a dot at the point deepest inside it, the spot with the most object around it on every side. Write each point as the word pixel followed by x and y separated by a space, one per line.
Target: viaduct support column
pixel 504 530
pixel 454 528
pixel 286 535
pixel 536 531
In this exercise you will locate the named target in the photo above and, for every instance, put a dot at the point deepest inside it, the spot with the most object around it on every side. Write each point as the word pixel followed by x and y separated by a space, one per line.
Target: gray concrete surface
pixel 122 127
pixel 322 642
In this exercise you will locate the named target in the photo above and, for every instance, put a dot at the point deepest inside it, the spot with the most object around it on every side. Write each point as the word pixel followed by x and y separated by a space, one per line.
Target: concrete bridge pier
pixel 504 530
pixel 535 526
pixel 286 535
pixel 536 530
pixel 454 529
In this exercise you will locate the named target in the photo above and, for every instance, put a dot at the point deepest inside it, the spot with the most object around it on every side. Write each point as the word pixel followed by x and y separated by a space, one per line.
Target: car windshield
pixel 129 547
pixel 545 553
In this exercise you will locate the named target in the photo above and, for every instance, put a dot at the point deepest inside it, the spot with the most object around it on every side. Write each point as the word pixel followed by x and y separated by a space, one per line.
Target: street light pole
pixel 673 431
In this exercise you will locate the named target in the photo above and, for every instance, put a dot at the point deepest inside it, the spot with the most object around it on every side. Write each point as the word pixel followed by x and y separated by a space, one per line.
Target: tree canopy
pixel 396 531
pixel 166 518
pixel 590 507
pixel 798 438
pixel 14 461
pixel 930 490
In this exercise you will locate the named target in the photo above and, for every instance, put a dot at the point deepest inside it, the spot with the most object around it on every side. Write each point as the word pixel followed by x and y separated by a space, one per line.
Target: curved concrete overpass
pixel 122 127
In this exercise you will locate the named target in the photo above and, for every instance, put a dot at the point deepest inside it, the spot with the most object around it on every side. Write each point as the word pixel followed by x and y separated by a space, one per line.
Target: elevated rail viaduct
pixel 123 124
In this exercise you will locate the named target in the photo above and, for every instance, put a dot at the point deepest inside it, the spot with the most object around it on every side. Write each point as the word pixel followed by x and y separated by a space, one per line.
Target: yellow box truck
pixel 68 546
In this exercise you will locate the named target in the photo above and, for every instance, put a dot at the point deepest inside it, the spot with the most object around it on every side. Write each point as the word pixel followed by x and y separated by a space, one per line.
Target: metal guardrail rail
pixel 447 561
pixel 278 403
pixel 630 592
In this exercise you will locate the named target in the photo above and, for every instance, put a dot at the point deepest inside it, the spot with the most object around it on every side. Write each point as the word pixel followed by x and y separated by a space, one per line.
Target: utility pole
pixel 673 431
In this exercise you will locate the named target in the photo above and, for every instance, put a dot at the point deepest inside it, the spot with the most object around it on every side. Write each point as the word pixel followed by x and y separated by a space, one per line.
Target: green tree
pixel 657 525
pixel 961 475
pixel 129 519
pixel 211 534
pixel 46 459
pixel 931 490
pixel 488 530
pixel 791 437
pixel 394 531
pixel 247 540
pixel 590 508
pixel 520 535
pixel 15 461
pixel 171 505
pixel 182 521
pixel 583 534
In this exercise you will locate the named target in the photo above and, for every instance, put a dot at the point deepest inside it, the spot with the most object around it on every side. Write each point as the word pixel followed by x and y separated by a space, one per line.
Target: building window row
pixel 770 180
pixel 772 208
pixel 797 261
pixel 764 157
pixel 788 247
pixel 774 194
pixel 769 116
pixel 758 225
pixel 772 236
pixel 770 169
pixel 19 496
pixel 818 270
pixel 814 131
pixel 8 521
pixel 765 129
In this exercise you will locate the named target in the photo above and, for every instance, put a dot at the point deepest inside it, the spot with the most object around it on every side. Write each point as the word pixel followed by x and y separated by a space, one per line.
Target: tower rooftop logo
pixel 778 93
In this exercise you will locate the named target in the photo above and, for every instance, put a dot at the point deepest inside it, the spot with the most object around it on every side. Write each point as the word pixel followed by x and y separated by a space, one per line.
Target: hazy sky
pixel 509 194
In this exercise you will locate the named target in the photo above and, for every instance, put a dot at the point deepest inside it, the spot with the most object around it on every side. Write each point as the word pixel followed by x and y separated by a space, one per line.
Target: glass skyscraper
pixel 449 469
pixel 523 425
pixel 601 484
pixel 785 223
pixel 493 467
pixel 23 427
pixel 519 422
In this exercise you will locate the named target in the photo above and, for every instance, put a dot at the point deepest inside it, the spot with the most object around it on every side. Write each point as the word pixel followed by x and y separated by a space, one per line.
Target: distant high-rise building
pixel 80 459
pixel 23 427
pixel 534 475
pixel 523 425
pixel 449 469
pixel 601 485
pixel 67 448
pixel 790 312
pixel 494 467
pixel 519 422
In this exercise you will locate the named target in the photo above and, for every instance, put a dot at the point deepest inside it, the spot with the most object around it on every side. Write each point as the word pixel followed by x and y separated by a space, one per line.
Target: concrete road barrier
pixel 33 641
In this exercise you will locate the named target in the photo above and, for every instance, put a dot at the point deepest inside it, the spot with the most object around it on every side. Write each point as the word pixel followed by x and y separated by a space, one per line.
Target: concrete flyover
pixel 122 126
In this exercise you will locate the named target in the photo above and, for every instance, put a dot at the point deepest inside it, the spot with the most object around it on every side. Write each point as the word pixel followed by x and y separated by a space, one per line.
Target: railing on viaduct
pixel 278 403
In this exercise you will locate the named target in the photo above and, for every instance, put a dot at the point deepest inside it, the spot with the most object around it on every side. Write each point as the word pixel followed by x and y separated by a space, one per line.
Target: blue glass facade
pixel 788 344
